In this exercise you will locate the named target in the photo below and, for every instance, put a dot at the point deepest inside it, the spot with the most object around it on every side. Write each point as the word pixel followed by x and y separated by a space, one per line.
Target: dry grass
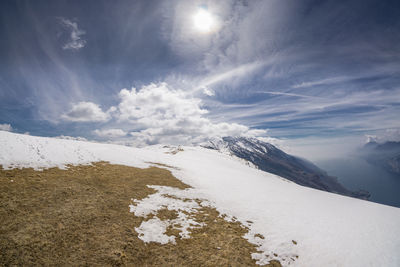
pixel 80 217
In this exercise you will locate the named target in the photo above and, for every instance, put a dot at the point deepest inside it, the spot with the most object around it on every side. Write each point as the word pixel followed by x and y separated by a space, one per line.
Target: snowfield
pixel 329 229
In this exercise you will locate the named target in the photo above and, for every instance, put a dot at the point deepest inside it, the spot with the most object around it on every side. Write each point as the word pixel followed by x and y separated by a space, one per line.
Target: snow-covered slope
pixel 330 230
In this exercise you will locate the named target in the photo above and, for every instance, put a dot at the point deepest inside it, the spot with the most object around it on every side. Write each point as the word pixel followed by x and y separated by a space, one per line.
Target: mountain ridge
pixel 269 158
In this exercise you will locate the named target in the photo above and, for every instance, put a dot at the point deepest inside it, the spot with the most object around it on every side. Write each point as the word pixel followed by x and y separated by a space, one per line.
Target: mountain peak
pixel 239 143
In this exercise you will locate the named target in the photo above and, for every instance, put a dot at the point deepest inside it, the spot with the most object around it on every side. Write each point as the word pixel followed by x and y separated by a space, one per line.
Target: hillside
pixel 292 224
pixel 269 158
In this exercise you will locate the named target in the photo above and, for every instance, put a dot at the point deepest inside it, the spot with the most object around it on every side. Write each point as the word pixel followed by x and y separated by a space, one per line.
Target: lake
pixel 358 174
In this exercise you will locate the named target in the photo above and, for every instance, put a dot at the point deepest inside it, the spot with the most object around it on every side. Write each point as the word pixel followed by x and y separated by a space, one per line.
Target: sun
pixel 203 20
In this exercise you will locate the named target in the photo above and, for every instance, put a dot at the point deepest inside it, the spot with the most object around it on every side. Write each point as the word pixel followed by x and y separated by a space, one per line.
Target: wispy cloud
pixel 285 94
pixel 237 72
pixel 75 42
pixel 338 112
pixel 323 82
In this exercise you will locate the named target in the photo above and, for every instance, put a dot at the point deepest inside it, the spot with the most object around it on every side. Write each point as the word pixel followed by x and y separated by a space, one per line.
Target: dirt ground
pixel 80 217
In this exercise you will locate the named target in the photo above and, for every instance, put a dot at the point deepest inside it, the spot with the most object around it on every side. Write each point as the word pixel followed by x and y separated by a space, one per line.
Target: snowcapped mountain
pixel 269 158
pixel 284 220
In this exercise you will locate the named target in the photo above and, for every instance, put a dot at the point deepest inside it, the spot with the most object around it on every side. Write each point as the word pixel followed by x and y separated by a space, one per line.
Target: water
pixel 358 174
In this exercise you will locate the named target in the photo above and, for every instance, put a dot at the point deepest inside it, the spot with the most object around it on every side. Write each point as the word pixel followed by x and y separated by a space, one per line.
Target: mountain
pixel 296 225
pixel 385 155
pixel 269 158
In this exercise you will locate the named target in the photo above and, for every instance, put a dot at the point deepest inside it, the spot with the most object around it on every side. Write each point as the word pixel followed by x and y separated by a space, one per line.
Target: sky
pixel 313 76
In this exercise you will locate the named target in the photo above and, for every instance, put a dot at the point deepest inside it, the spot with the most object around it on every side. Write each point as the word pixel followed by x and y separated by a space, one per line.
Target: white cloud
pixel 76 42
pixel 157 101
pixel 158 113
pixel 6 127
pixel 86 112
pixel 110 133
pixel 208 91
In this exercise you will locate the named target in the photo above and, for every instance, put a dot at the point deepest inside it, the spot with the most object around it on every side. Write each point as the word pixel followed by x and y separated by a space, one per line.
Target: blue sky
pixel 294 70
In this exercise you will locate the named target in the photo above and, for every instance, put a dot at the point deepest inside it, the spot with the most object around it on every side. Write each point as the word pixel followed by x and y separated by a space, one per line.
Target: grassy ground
pixel 80 217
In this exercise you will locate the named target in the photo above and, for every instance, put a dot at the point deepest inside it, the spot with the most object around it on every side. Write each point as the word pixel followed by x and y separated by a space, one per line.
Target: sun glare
pixel 203 21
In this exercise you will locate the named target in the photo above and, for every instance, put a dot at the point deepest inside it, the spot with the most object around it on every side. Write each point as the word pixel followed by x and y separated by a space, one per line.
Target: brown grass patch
pixel 80 216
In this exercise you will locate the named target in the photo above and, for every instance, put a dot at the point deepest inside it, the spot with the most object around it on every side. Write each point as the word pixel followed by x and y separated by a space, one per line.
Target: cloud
pixel 239 38
pixel 388 135
pixel 285 94
pixel 329 81
pixel 76 42
pixel 322 82
pixel 268 66
pixel 371 138
pixel 6 127
pixel 329 111
pixel 158 113
pixel 239 72
pixel 86 112
pixel 110 133
pixel 208 91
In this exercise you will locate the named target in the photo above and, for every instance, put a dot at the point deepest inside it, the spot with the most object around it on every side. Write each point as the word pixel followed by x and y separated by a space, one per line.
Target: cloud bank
pixel 158 113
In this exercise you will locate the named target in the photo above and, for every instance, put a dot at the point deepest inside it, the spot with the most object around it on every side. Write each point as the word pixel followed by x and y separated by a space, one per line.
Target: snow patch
pixel 154 230
pixel 172 199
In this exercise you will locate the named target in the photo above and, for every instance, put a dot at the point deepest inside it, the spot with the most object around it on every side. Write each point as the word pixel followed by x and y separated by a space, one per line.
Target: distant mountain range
pixel 385 155
pixel 269 158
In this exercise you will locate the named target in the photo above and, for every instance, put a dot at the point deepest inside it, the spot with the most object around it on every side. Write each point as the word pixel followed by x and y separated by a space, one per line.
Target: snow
pixel 172 199
pixel 330 230
pixel 154 230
